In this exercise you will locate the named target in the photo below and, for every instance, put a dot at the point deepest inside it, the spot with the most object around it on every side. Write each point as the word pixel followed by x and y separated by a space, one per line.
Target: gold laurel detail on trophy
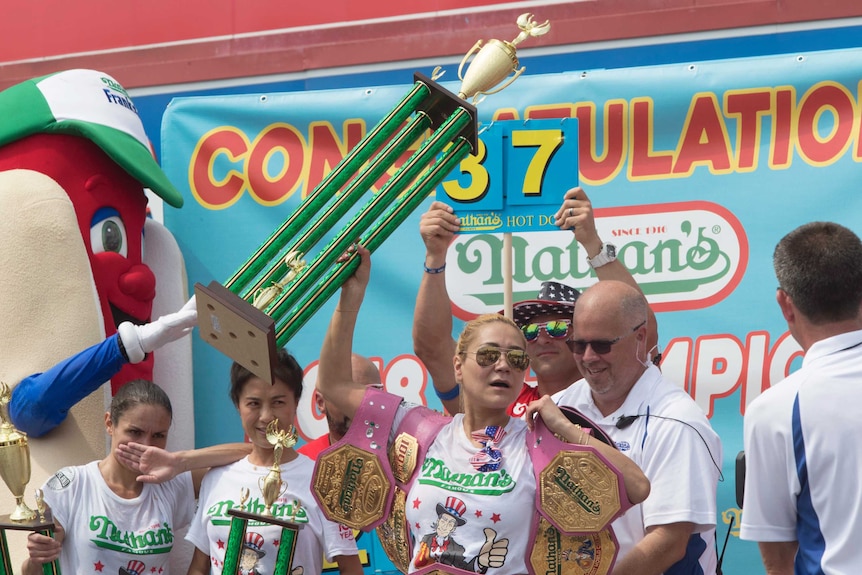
pixel 393 533
pixel 40 504
pixel 558 554
pixel 271 485
pixel 14 459
pixel 265 296
pixel 529 28
pixel 352 486
pixel 244 494
pixel 579 492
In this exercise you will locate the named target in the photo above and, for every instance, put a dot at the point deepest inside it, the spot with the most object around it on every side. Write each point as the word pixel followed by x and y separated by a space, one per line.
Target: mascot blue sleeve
pixel 42 401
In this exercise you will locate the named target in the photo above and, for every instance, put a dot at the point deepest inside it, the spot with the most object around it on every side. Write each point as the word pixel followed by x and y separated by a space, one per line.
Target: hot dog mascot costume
pixel 90 285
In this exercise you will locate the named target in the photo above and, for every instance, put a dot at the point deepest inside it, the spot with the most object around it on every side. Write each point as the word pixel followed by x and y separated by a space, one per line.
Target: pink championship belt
pixel 578 494
pixel 352 481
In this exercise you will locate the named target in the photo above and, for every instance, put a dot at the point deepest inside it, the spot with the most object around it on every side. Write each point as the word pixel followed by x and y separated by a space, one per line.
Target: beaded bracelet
pixel 447 395
pixel 435 270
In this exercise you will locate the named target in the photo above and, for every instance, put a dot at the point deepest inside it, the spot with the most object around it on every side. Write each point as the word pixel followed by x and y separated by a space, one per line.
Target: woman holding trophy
pixel 105 512
pixel 254 485
pixel 474 497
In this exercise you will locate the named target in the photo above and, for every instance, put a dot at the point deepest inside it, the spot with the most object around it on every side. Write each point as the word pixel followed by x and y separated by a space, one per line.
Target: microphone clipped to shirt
pixel 625 421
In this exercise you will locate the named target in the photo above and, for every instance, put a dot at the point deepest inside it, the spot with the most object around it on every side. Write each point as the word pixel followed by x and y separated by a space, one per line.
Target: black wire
pixel 627 420
pixel 724 547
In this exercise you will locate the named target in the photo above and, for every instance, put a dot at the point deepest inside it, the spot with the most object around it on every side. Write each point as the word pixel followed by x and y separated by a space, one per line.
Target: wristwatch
pixel 605 256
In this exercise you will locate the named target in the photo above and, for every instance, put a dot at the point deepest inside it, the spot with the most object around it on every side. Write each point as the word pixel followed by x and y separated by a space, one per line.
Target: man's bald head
pixel 364 370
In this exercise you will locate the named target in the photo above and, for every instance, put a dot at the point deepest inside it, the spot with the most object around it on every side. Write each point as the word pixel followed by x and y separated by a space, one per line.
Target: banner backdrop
pixel 695 171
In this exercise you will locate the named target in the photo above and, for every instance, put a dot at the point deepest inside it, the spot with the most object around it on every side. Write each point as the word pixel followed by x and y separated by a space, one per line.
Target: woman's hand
pixel 43 549
pixel 155 464
pixel 637 484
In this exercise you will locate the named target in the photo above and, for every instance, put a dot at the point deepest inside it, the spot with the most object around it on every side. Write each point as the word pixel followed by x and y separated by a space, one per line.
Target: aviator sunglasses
pixel 555 329
pixel 600 346
pixel 487 355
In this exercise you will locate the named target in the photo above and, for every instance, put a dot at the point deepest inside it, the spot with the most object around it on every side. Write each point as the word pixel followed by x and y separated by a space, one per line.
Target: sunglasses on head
pixel 599 346
pixel 488 355
pixel 555 328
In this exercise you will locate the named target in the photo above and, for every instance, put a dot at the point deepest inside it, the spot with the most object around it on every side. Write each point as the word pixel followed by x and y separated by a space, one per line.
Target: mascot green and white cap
pixel 92 105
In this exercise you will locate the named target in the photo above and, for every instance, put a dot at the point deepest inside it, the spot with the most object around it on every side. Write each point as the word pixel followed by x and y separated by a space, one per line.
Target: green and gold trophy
pixel 272 486
pixel 15 471
pixel 276 291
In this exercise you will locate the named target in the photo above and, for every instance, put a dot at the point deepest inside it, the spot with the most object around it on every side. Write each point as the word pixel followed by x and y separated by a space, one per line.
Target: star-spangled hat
pixel 254 541
pixel 454 507
pixel 553 298
pixel 92 105
pixel 135 567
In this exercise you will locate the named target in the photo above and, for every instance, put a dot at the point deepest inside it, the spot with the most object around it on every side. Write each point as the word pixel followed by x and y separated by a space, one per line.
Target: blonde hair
pixel 468 334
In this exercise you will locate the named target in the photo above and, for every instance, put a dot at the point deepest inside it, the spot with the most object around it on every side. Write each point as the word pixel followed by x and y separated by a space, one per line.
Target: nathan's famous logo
pixel 292 511
pixel 481 222
pixel 686 255
pixel 574 490
pixel 108 535
pixel 435 472
pixel 348 487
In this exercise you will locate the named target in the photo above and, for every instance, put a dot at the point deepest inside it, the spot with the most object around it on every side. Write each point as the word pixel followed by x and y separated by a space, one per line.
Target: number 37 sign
pixel 517 180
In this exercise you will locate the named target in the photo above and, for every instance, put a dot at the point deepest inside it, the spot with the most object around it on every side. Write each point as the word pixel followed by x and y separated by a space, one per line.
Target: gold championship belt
pixel 556 554
pixel 393 533
pixel 351 486
pixel 579 492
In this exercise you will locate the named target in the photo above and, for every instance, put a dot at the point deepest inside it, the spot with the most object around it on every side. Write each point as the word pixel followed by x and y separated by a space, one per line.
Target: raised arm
pixel 432 317
pixel 576 214
pixel 335 373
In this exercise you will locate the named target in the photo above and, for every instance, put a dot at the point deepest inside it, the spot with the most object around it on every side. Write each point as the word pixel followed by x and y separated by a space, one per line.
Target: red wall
pixel 176 41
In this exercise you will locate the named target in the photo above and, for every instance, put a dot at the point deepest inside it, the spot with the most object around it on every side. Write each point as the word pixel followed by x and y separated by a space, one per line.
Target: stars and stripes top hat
pixel 553 298
pixel 254 541
pixel 135 567
pixel 454 507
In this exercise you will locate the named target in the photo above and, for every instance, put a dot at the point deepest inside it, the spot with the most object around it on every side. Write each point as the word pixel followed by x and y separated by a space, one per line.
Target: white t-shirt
pixel 220 491
pixel 803 459
pixel 105 532
pixel 490 505
pixel 680 459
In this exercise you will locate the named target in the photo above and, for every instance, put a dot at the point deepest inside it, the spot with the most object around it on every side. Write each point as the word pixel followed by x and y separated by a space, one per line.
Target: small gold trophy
pixel 15 471
pixel 272 486
pixel 495 61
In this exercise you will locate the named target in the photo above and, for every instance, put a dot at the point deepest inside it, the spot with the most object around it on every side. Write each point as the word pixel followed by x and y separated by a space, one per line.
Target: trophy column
pixel 15 471
pixel 275 292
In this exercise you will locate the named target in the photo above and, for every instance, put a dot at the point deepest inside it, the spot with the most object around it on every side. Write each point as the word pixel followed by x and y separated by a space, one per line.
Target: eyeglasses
pixel 487 355
pixel 600 346
pixel 555 329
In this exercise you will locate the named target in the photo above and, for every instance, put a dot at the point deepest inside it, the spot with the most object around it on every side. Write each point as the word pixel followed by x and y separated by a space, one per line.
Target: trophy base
pixel 237 329
pixel 6 522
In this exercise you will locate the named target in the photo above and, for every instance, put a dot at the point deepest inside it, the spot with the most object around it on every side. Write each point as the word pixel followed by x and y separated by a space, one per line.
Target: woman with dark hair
pixel 259 404
pixel 106 512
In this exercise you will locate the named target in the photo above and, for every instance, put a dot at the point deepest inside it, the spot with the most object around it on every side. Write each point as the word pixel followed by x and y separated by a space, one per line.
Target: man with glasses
pixel 656 424
pixel 802 489
pixel 546 320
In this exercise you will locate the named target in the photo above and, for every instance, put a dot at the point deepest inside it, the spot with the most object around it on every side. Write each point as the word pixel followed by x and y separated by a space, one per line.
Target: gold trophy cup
pixel 14 459
pixel 494 61
pixel 15 471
